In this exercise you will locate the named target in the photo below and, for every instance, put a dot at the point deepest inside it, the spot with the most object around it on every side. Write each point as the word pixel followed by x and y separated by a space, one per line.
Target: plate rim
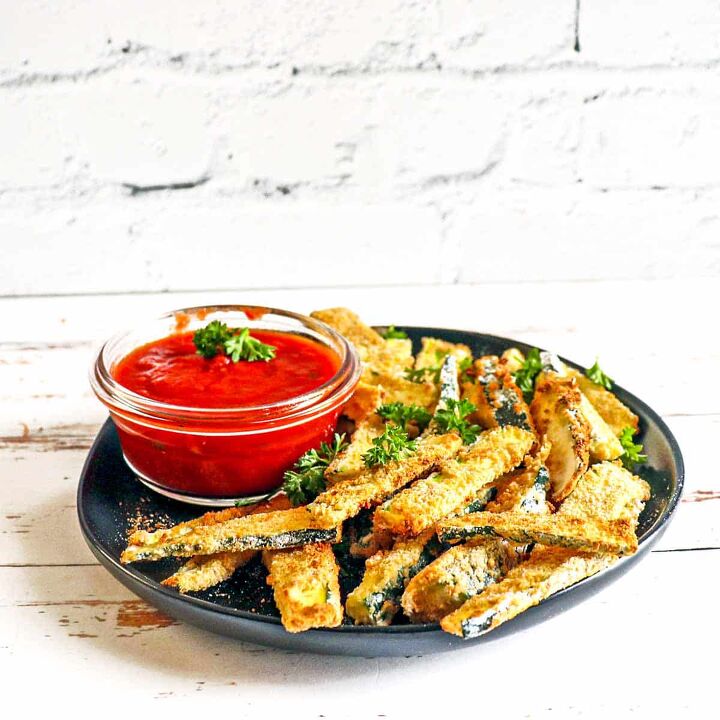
pixel 153 586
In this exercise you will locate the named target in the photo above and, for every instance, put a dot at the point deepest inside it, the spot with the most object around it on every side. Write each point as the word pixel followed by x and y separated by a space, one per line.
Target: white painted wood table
pixel 69 633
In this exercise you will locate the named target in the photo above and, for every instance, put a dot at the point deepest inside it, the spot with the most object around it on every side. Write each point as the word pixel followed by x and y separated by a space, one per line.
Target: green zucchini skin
pixel 503 399
pixel 536 498
pixel 376 600
pixel 449 387
pixel 279 541
pixel 483 498
pixel 455 576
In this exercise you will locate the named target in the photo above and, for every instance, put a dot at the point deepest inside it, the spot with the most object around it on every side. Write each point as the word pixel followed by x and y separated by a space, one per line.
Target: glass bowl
pixel 222 456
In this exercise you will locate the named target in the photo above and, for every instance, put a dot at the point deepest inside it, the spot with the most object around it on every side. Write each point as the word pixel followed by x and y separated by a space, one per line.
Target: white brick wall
pixel 185 145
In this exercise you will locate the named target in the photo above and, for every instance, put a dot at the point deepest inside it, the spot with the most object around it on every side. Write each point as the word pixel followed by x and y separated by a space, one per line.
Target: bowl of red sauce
pixel 214 428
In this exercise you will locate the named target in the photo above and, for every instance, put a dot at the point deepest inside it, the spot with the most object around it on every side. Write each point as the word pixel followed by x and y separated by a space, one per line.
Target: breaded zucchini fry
pixel 615 414
pixel 377 599
pixel 513 359
pixel 349 463
pixel 363 402
pixel 458 574
pixel 305 585
pixel 204 571
pixel 400 389
pixel 498 399
pixel 607 492
pixel 434 351
pixel 347 497
pixel 604 445
pixel 347 323
pixel 466 570
pixel 277 529
pixel 215 517
pixel 616 537
pixel 558 418
pixel 525 490
pixel 548 570
pixel 419 507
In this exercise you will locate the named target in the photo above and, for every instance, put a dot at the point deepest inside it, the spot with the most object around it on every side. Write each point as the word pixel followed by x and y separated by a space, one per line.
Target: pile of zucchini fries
pixel 463 531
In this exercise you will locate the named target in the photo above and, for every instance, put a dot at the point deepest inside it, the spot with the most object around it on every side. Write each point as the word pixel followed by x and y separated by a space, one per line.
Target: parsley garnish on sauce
pixel 237 344
pixel 392 333
pixel 633 454
pixel 453 418
pixel 402 415
pixel 599 377
pixel 393 444
pixel 307 478
pixel 526 375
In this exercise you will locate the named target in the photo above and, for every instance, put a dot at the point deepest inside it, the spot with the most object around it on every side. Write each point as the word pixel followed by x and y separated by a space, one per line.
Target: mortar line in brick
pixel 212 73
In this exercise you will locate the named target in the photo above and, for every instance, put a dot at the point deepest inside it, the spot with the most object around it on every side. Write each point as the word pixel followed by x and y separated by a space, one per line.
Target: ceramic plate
pixel 110 501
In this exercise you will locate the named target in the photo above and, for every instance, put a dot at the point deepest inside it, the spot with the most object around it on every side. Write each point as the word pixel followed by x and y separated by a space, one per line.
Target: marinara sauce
pixel 248 452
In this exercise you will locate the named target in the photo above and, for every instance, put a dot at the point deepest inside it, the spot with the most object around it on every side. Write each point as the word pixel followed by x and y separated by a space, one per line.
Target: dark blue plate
pixel 110 501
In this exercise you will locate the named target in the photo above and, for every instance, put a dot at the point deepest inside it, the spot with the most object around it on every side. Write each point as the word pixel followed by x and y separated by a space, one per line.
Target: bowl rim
pixel 659 523
pixel 134 406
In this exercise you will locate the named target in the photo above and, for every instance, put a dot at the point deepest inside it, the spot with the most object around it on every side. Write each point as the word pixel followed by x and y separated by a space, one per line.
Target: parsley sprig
pixel 239 345
pixel 307 478
pixel 526 375
pixel 453 417
pixel 393 444
pixel 392 333
pixel 596 374
pixel 403 415
pixel 633 454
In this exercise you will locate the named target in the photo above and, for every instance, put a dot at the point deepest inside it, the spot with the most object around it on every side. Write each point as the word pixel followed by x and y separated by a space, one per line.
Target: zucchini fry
pixel 498 399
pixel 363 401
pixel 616 537
pixel 204 571
pixel 604 444
pixel 615 414
pixel 277 529
pixel 347 497
pixel 457 575
pixel 513 359
pixel 400 389
pixel 465 570
pixel 434 350
pixel 379 356
pixel 548 570
pixel 349 463
pixel 419 507
pixel 525 490
pixel 305 585
pixel 377 599
pixel 556 409
pixel 606 493
pixel 214 517
pixel 347 323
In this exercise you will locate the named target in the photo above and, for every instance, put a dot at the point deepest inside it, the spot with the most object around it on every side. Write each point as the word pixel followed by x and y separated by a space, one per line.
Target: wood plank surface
pixel 65 619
